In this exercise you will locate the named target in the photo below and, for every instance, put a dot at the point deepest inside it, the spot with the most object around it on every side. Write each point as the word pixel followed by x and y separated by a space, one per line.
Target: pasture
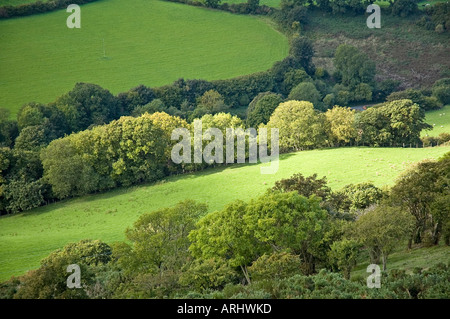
pixel 150 42
pixel 440 119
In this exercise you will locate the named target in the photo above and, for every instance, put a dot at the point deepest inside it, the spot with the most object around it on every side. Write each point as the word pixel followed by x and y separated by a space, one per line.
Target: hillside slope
pixel 28 237
pixel 149 42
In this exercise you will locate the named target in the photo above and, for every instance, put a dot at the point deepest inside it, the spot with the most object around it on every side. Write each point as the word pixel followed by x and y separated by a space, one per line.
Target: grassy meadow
pixel 150 42
pixel 26 238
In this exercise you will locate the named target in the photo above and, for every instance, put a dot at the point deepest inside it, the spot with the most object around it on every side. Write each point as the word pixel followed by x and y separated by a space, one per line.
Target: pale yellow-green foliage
pixel 300 126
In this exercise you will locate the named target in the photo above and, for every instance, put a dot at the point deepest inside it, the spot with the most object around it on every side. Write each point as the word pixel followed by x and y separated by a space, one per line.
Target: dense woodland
pixel 300 239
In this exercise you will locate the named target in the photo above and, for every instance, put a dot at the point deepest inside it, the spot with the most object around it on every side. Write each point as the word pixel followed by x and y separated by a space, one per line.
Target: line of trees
pixel 37 7
pixel 302 127
pixel 134 150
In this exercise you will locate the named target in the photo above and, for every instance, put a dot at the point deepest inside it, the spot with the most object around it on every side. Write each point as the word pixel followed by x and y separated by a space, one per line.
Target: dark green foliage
pixel 438 17
pixel 154 106
pixel 293 78
pixel 384 88
pixel 306 91
pixel 441 90
pixel 360 196
pixel 432 283
pixel 86 105
pixel 279 72
pixel 423 284
pixel 241 90
pixel 423 191
pixel 425 102
pixel 292 16
pixel 403 8
pixel 50 280
pixel 261 108
pixel 22 195
pixel 212 3
pixel 21 186
pixel 302 51
pixel 136 97
pixel 391 124
pixel 8 129
pixel 37 7
pixel 305 186
pixel 346 6
pixel 353 66
pixel 47 117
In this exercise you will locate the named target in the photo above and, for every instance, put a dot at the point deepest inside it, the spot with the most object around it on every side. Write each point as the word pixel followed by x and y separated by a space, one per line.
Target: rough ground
pixel 401 50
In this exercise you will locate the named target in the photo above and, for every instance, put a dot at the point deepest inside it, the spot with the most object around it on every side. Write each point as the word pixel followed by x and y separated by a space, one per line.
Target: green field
pixel 402 258
pixel 440 119
pixel 150 42
pixel 17 2
pixel 28 237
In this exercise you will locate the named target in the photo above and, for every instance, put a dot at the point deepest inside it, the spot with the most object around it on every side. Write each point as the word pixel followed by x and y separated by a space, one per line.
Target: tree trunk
pixel 384 262
pixel 436 233
pixel 245 272
pixel 374 254
pixel 347 272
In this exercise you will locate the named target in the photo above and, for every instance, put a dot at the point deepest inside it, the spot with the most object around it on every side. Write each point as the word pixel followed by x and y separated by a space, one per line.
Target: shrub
pixel 261 108
pixel 425 102
pixel 49 281
pixel 277 265
pixel 403 8
pixel 305 91
pixel 441 91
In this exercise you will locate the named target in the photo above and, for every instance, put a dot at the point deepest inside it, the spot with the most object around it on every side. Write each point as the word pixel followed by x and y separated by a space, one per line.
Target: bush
pixel 22 195
pixel 50 280
pixel 37 7
pixel 353 66
pixel 277 265
pixel 261 108
pixel 305 186
pixel 207 274
pixel 441 91
pixel 302 51
pixel 425 102
pixel 347 6
pixel 360 196
pixel 404 8
pixel 438 17
pixel 391 124
pixel 305 91
pixel 248 86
